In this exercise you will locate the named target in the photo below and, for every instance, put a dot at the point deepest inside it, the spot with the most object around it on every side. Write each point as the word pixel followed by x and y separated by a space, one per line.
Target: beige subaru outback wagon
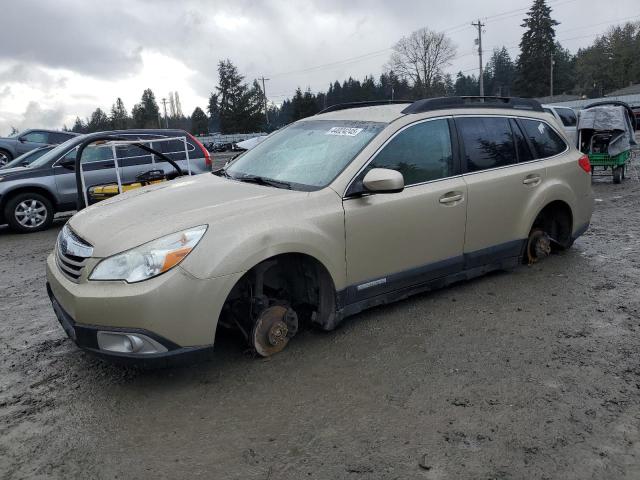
pixel 361 205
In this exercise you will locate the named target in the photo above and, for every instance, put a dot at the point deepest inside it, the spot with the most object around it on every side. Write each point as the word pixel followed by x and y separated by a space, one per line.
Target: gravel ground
pixel 532 373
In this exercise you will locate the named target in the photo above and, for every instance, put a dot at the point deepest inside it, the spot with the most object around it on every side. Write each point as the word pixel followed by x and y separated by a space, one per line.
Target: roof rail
pixel 441 103
pixel 370 103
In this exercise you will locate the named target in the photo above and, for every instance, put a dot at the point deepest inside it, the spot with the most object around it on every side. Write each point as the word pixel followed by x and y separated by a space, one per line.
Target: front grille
pixel 72 254
pixel 70 265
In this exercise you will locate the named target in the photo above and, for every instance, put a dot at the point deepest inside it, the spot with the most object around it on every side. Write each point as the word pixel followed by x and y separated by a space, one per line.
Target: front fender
pixel 9 146
pixel 314 228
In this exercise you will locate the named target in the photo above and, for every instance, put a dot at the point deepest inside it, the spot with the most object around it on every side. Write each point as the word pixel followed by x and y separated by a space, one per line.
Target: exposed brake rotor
pixel 273 329
pixel 538 246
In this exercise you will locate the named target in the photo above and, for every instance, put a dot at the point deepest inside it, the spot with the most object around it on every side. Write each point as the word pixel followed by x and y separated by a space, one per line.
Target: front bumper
pixel 175 309
pixel 85 337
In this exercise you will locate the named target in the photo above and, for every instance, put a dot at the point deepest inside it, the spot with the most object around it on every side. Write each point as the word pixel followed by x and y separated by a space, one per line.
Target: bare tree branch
pixel 421 57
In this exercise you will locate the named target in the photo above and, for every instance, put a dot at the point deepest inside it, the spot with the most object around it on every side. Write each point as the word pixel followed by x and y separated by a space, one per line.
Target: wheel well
pixel 42 191
pixel 296 279
pixel 556 219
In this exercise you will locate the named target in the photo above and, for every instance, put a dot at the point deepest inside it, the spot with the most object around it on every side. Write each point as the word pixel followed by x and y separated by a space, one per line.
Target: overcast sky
pixel 62 58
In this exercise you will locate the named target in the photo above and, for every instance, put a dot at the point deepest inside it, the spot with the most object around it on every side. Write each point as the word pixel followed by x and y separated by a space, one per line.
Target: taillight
pixel 205 152
pixel 584 163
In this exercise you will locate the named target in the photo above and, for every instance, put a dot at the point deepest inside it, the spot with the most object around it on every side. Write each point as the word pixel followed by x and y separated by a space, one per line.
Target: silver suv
pixel 356 207
pixel 23 142
pixel 31 194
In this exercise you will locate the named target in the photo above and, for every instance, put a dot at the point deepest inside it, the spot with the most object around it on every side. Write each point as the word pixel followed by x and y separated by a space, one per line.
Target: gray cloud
pixel 31 75
pixel 81 36
pixel 33 116
pixel 282 39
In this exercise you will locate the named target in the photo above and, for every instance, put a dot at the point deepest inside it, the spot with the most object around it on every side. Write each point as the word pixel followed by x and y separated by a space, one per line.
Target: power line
pixel 264 97
pixel 369 55
pixel 460 27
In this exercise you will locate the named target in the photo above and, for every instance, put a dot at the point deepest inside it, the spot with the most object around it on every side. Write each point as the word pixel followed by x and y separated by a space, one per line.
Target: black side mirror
pixel 22 139
pixel 68 163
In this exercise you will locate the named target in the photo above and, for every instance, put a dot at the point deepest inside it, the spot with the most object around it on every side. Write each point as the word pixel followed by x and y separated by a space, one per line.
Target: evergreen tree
pixel 79 126
pixel 612 61
pixel 466 85
pixel 500 73
pixel 536 48
pixel 146 113
pixel 241 107
pixel 304 104
pixel 449 87
pixel 119 116
pixel 98 122
pixel 199 122
pixel 564 71
pixel 214 113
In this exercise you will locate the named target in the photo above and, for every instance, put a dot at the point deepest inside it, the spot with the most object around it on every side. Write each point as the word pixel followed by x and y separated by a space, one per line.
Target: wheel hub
pixel 273 329
pixel 30 213
pixel 277 333
pixel 538 246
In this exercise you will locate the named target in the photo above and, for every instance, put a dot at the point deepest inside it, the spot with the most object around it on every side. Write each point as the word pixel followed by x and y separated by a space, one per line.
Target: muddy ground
pixel 529 374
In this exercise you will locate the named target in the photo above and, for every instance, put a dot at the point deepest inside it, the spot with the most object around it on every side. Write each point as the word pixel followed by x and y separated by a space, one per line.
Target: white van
pixel 566 118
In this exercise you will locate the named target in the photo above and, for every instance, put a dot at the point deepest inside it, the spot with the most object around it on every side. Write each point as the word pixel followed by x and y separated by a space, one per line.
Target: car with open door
pixel 31 195
pixel 360 205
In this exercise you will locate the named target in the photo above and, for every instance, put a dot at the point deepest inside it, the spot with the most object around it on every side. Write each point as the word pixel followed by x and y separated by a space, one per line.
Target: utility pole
pixel 553 62
pixel 166 120
pixel 264 94
pixel 479 26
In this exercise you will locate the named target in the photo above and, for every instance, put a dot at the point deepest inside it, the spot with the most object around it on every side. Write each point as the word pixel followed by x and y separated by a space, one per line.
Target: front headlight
pixel 150 259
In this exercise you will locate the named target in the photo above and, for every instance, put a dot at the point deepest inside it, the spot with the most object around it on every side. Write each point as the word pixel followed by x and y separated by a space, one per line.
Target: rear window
pixel 174 146
pixel 545 141
pixel 59 137
pixel 488 142
pixel 567 116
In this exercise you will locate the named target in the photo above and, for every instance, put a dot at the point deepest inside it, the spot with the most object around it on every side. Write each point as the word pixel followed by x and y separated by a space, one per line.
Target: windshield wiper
pixel 263 181
pixel 222 172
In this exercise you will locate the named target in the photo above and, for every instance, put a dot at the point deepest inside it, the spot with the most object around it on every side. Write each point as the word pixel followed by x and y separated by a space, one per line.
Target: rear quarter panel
pixel 567 182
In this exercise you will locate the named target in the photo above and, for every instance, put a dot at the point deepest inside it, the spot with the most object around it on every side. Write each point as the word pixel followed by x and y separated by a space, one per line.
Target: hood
pixel 139 216
pixel 18 173
pixel 9 171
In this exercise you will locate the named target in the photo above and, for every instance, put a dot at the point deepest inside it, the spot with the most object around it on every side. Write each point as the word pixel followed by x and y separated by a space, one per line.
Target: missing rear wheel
pixel 538 246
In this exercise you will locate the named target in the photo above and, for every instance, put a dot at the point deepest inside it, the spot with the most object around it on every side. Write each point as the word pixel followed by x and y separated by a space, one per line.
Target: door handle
pixel 451 197
pixel 533 180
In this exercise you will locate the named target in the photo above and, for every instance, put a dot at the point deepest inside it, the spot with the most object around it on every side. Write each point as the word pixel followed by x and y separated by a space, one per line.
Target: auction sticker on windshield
pixel 344 131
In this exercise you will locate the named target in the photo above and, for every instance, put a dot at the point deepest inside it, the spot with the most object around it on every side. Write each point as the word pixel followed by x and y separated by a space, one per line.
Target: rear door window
pixel 568 117
pixel 36 137
pixel 487 141
pixel 546 142
pixel 421 153
pixel 522 147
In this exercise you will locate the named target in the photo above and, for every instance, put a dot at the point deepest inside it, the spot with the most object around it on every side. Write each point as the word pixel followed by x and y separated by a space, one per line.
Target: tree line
pixel 144 114
pixel 416 69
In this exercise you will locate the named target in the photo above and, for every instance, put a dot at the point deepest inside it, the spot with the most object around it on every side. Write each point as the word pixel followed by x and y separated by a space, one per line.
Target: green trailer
pixel 615 164
pixel 606 133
